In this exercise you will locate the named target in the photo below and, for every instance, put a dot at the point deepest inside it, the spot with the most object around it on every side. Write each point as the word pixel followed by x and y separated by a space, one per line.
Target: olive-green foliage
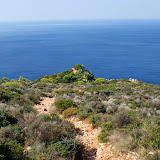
pixel 106 92
pixel 47 129
pixel 40 151
pixel 122 119
pixel 48 80
pixel 11 150
pixel 68 76
pixel 5 79
pixel 69 112
pixel 62 91
pixel 105 132
pixel 63 104
pixel 69 149
pixel 100 80
pixel 97 107
pixel 79 67
pixel 94 120
pixel 12 84
pixel 14 133
pixel 6 119
pixel 6 95
pixel 22 79
pixel 152 135
pixel 83 115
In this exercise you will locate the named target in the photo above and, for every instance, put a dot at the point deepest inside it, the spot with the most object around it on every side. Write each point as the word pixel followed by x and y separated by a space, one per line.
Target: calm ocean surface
pixel 110 49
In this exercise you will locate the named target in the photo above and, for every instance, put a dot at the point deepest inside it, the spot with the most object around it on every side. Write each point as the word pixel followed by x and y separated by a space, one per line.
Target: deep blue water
pixel 110 49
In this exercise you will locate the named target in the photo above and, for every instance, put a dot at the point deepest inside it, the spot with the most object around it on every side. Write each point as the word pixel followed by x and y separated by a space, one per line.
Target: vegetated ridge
pixel 123 114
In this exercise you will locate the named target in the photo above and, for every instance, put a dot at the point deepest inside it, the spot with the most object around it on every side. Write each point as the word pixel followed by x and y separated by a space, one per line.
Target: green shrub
pixel 41 85
pixel 6 95
pixel 100 80
pixel 105 132
pixel 55 117
pixel 12 132
pixel 94 120
pixel 12 84
pixel 63 104
pixel 152 136
pixel 21 79
pixel 80 83
pixel 62 91
pixel 106 92
pixel 121 119
pixel 34 97
pixel 11 151
pixel 5 79
pixel 27 109
pixel 41 129
pixel 97 107
pixel 6 119
pixel 69 149
pixel 79 67
pixel 83 115
pixel 69 112
pixel 47 80
pixel 51 118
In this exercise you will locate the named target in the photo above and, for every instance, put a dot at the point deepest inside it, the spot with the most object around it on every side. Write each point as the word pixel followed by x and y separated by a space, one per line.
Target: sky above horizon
pixel 31 10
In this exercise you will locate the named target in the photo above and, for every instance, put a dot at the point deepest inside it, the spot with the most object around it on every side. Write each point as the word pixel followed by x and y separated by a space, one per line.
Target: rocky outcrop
pixel 74 70
pixel 133 80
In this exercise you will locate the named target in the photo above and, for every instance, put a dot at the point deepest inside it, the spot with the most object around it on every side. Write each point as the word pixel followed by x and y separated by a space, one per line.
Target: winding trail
pixel 93 150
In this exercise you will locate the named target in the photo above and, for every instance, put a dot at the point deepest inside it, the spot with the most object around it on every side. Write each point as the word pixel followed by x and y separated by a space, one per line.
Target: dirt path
pixel 93 150
pixel 44 106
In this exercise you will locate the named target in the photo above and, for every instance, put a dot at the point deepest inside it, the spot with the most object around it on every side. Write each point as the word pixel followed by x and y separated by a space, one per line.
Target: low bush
pixel 5 79
pixel 13 133
pixel 83 115
pixel 97 107
pixel 46 129
pixel 6 119
pixel 12 84
pixel 21 79
pixel 69 149
pixel 63 104
pixel 6 95
pixel 121 119
pixel 100 80
pixel 69 112
pixel 105 132
pixel 94 120
pixel 151 139
pixel 11 150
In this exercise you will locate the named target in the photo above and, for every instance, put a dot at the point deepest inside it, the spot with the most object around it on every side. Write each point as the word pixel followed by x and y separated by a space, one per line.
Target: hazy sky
pixel 17 10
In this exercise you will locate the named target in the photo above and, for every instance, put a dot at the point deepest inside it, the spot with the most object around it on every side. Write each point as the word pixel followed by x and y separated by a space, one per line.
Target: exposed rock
pixel 74 70
pixel 133 80
pixel 88 93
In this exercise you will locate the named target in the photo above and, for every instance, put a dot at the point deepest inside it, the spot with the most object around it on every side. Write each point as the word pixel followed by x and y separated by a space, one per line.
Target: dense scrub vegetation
pixel 77 74
pixel 127 113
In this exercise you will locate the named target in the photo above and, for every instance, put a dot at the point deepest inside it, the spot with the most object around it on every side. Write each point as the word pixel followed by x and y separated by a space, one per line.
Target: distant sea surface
pixel 111 49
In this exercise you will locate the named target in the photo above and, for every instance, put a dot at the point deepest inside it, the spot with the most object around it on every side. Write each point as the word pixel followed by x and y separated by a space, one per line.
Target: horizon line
pixel 98 19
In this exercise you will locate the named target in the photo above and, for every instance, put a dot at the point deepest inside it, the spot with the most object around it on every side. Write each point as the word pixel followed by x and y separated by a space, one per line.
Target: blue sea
pixel 111 49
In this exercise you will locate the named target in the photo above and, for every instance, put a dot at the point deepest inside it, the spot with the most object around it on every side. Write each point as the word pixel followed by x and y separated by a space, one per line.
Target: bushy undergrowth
pixel 69 112
pixel 68 76
pixel 63 104
pixel 127 113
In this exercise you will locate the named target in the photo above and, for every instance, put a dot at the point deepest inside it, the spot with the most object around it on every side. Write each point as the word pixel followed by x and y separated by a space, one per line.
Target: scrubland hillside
pixel 127 113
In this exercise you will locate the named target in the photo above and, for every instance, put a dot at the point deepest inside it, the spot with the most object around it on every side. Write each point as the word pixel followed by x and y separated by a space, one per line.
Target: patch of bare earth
pixel 44 105
pixel 93 150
